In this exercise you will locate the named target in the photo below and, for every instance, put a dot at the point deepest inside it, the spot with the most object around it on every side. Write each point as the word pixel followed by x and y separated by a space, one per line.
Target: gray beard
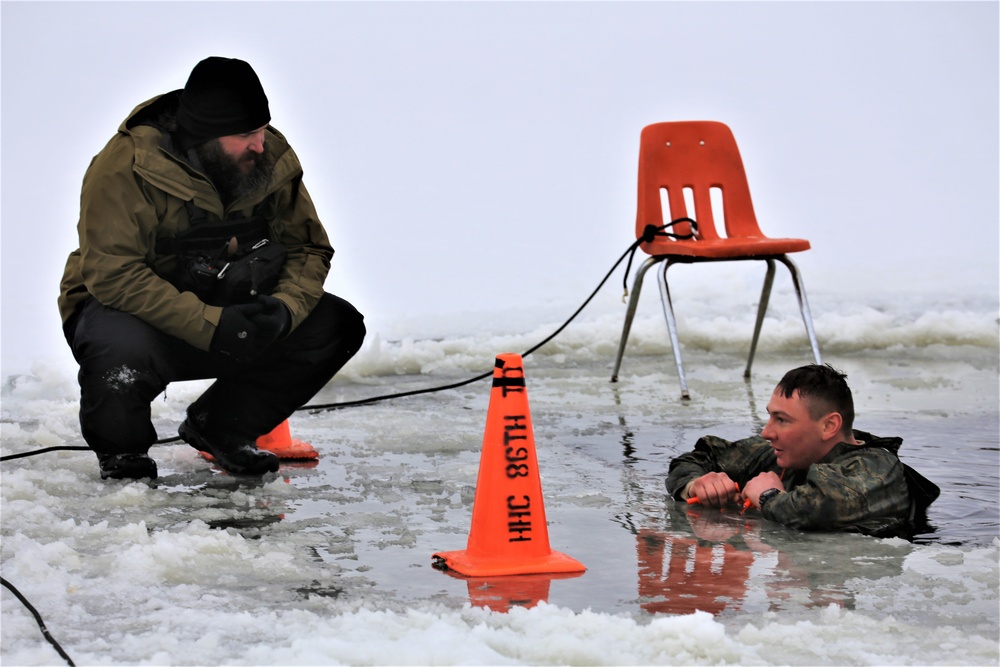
pixel 232 183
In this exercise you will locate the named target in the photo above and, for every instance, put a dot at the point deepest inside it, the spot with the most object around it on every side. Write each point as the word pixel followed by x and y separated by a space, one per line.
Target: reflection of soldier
pixel 709 559
pixel 819 570
pixel 809 469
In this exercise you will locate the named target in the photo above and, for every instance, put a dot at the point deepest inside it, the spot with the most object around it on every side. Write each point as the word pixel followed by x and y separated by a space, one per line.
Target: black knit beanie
pixel 223 96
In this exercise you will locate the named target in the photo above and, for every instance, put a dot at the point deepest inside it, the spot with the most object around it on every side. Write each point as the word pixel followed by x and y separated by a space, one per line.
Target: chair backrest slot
pixel 716 196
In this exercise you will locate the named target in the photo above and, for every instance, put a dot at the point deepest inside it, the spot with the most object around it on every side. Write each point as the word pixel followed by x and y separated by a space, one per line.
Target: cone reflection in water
pixel 509 533
pixel 503 593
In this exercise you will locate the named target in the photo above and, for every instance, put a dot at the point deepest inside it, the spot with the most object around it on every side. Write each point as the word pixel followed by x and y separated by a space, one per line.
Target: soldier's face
pixel 796 438
pixel 234 164
pixel 244 149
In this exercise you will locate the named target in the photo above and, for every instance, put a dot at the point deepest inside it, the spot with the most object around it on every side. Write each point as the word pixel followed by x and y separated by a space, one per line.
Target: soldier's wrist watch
pixel 765 496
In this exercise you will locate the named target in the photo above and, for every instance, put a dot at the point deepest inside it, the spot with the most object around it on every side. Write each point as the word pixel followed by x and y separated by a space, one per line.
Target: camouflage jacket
pixel 858 488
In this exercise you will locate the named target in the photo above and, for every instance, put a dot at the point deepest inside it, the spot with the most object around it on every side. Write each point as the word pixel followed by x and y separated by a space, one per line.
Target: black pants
pixel 126 363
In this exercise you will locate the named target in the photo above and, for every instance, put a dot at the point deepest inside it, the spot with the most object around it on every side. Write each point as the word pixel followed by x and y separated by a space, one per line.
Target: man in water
pixel 808 469
pixel 201 256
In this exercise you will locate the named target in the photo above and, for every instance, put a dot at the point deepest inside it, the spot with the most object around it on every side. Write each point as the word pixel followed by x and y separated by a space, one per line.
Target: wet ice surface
pixel 330 562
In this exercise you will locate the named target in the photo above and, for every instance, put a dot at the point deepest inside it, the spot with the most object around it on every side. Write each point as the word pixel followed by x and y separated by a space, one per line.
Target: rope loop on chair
pixel 652 231
pixel 649 234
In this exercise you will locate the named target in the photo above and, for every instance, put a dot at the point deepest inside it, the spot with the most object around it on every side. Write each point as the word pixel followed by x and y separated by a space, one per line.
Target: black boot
pixel 127 466
pixel 235 455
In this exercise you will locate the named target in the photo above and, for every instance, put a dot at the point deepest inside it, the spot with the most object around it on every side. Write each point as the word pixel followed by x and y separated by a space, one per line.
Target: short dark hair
pixel 824 389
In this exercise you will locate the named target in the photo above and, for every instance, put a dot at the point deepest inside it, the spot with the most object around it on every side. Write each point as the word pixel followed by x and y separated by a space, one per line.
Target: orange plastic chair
pixel 697 164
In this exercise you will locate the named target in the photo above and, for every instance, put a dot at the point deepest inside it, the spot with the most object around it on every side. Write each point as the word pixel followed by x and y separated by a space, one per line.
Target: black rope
pixel 68 448
pixel 649 234
pixel 38 619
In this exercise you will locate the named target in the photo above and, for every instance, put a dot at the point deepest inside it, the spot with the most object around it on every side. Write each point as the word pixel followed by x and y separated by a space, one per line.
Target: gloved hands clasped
pixel 245 330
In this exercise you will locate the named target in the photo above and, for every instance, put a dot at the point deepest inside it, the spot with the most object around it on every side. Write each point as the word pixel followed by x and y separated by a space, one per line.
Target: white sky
pixel 468 156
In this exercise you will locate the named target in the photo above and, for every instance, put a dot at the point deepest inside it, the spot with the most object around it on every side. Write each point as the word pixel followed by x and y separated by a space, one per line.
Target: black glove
pixel 275 320
pixel 246 329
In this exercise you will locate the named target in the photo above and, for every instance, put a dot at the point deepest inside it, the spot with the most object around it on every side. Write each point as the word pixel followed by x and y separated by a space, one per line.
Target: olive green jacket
pixel 861 488
pixel 134 192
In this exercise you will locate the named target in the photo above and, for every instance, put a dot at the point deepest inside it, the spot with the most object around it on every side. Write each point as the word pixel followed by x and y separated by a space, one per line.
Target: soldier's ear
pixel 831 425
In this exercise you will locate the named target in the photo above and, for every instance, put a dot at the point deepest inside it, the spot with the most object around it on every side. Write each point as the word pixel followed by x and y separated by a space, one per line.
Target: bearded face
pixel 237 171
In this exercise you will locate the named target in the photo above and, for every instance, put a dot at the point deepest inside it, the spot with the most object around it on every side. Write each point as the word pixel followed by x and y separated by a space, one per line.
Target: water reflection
pixel 235 502
pixel 504 593
pixel 722 562
pixel 680 575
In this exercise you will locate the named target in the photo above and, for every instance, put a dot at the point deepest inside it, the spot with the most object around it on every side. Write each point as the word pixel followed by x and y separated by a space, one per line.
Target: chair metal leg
pixel 800 292
pixel 668 312
pixel 765 296
pixel 633 301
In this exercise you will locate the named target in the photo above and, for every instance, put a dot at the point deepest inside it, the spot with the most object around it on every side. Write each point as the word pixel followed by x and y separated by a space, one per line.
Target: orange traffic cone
pixel 280 442
pixel 509 534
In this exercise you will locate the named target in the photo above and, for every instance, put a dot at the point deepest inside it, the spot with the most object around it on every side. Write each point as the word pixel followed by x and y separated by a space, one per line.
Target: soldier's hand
pixel 760 484
pixel 715 489
pixel 245 330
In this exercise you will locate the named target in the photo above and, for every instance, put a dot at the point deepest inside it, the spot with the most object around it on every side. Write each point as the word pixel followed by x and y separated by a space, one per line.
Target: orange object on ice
pixel 509 533
pixel 280 442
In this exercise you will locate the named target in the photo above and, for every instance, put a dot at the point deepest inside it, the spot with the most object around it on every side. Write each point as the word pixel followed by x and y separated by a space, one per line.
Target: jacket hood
pixel 892 444
pixel 868 441
pixel 159 112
